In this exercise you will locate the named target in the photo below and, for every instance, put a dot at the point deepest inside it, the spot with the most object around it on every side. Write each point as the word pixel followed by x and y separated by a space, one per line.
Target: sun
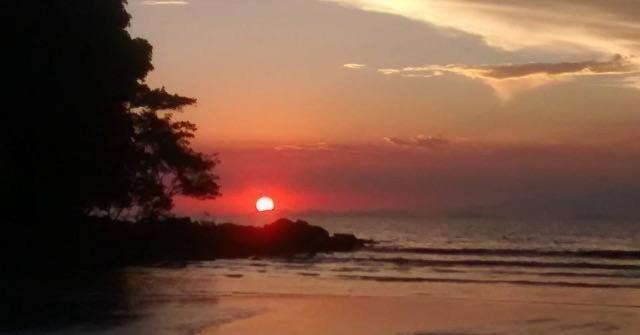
pixel 264 204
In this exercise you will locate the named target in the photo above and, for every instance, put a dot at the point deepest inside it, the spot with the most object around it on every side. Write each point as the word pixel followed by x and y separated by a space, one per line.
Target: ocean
pixel 591 254
pixel 411 253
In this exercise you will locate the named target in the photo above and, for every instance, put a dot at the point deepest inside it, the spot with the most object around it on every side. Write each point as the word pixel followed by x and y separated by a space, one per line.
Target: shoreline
pixel 394 315
pixel 206 301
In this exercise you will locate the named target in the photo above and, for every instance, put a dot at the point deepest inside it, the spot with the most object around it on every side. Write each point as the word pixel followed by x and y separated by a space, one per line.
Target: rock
pixel 345 242
pixel 108 243
pixel 288 237
pixel 279 238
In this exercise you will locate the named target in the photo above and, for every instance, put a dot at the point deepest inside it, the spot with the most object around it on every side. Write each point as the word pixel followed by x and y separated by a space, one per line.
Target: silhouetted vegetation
pixel 89 136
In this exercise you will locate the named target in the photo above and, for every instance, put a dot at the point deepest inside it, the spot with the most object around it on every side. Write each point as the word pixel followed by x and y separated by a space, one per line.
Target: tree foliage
pixel 165 164
pixel 83 132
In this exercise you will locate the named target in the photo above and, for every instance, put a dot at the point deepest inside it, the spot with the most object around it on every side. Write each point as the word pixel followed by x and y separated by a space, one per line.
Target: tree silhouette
pixel 165 165
pixel 83 132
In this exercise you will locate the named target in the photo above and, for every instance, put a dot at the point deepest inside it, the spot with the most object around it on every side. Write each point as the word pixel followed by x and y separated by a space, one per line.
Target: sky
pixel 408 106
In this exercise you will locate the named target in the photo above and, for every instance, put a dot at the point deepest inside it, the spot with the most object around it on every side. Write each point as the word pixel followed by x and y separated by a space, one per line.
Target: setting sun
pixel 264 204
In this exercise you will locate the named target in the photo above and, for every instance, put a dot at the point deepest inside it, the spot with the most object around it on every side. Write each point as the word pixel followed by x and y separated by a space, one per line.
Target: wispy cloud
pixel 319 146
pixel 616 65
pixel 354 66
pixel 389 71
pixel 508 80
pixel 596 25
pixel 572 27
pixel 632 82
pixel 165 2
pixel 420 141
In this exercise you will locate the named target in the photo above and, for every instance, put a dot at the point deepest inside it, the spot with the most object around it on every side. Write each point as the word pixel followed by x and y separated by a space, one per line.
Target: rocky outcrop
pixel 282 237
pixel 100 242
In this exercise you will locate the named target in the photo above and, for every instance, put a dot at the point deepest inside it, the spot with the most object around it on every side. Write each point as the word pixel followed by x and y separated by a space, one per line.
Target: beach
pixel 463 277
pixel 428 315
pixel 186 306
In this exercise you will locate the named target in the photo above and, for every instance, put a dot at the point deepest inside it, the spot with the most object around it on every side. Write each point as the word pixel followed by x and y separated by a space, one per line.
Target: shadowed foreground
pixel 96 242
pixel 63 277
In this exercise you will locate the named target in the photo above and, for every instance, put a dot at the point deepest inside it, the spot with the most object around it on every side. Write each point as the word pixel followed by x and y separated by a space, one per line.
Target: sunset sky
pixel 408 105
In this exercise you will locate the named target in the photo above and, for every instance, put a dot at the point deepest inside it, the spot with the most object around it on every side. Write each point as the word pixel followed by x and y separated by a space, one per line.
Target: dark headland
pixel 116 243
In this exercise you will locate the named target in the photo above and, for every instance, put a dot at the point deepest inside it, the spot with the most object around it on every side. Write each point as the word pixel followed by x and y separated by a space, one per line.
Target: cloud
pixel 420 141
pixel 165 2
pixel 354 66
pixel 319 146
pixel 632 82
pixel 606 27
pixel 562 27
pixel 617 65
pixel 389 71
pixel 508 80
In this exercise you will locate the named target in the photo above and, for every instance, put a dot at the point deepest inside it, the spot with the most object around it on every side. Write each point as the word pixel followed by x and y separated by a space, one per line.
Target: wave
pixel 569 274
pixel 617 275
pixel 482 281
pixel 488 263
pixel 583 253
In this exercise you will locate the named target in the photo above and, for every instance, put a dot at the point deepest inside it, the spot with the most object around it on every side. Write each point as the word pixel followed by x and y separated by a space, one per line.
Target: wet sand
pixel 172 302
pixel 337 315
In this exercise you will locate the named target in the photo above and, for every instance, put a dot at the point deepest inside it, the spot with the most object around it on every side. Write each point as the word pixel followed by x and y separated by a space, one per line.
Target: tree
pixel 83 133
pixel 165 165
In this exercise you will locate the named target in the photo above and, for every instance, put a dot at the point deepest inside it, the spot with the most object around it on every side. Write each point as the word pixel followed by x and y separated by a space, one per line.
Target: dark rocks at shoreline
pixel 92 242
pixel 281 238
pixel 180 239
